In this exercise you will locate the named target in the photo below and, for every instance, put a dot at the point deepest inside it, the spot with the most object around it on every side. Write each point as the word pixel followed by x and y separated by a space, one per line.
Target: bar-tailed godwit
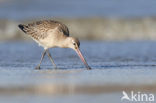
pixel 50 34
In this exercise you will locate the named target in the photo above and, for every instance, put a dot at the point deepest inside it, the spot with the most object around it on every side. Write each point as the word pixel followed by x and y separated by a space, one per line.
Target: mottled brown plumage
pixel 38 30
pixel 49 34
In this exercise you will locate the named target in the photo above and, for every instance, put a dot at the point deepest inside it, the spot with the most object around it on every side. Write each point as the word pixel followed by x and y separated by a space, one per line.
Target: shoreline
pixel 111 29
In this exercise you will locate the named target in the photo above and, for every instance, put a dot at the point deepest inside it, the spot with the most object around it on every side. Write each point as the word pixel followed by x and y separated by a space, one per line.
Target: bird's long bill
pixel 82 58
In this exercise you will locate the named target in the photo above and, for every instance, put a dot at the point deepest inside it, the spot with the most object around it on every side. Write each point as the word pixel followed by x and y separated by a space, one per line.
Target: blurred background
pixel 93 20
pixel 117 39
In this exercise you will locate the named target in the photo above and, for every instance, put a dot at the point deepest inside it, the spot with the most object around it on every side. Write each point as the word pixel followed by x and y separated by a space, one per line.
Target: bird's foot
pixel 89 68
pixel 38 68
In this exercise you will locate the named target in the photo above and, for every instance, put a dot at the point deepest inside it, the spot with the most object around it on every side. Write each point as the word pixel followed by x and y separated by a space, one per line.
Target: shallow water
pixel 117 66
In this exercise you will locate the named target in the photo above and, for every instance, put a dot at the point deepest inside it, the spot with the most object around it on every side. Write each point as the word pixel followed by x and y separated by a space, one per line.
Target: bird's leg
pixel 51 59
pixel 43 54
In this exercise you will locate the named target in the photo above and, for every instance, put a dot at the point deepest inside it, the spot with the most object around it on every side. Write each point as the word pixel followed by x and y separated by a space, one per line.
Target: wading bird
pixel 50 34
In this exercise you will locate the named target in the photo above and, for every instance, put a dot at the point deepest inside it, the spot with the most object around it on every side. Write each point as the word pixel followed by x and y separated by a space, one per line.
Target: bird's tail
pixel 22 27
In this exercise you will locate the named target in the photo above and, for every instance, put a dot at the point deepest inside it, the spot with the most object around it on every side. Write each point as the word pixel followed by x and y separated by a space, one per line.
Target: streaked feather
pixel 38 30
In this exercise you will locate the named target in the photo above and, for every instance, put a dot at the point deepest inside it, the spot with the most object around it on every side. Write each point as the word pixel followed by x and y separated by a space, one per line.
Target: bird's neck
pixel 63 43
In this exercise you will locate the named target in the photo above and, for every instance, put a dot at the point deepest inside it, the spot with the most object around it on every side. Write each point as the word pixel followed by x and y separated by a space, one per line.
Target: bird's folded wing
pixel 39 29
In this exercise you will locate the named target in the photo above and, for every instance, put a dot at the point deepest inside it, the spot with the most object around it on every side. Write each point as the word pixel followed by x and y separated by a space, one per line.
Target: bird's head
pixel 74 44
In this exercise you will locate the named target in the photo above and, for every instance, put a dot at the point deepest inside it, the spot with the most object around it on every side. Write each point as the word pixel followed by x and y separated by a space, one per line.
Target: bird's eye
pixel 74 43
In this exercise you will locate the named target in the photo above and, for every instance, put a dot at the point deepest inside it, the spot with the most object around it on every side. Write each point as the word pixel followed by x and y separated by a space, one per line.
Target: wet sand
pixel 117 66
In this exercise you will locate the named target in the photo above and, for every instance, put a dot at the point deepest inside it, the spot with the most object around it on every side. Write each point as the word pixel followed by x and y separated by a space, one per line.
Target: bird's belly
pixel 48 42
